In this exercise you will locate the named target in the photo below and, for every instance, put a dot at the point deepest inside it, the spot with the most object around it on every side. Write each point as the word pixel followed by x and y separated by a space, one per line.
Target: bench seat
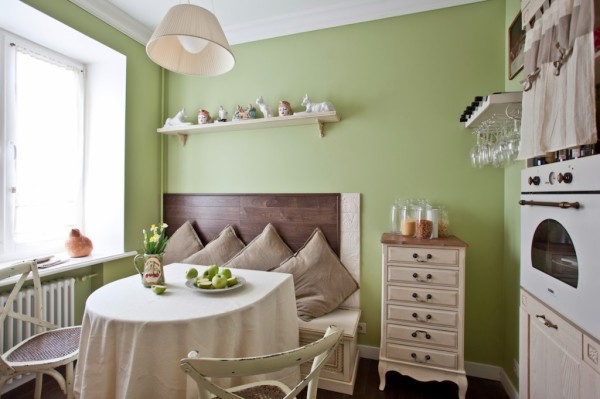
pixel 339 374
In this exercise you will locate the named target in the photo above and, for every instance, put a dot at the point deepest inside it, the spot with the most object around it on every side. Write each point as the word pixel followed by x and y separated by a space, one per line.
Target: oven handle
pixel 562 204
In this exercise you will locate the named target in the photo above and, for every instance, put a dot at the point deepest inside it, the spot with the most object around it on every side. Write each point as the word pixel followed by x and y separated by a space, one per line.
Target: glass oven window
pixel 553 252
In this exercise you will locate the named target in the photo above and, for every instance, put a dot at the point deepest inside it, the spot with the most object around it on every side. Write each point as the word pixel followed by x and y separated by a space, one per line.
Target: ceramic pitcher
pixel 150 268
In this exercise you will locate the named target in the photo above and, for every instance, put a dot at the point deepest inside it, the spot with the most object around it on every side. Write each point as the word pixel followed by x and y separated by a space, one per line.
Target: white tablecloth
pixel 133 340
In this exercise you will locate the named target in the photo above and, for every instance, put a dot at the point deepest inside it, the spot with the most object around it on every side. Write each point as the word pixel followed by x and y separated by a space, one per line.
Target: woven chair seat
pixel 262 392
pixel 51 344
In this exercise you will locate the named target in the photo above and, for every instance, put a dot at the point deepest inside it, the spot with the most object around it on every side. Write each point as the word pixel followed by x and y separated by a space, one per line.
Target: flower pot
pixel 150 268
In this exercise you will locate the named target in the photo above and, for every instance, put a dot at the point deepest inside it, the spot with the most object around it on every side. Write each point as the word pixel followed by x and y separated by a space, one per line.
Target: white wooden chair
pixel 48 348
pixel 201 369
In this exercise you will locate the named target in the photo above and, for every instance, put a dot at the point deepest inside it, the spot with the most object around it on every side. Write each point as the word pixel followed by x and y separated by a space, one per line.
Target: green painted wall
pixel 400 85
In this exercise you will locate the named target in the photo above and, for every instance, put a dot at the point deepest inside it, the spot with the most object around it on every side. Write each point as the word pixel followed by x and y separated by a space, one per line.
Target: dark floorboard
pixel 367 387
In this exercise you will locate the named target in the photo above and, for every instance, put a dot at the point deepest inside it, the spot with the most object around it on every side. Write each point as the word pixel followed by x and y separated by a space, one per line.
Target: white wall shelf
pixel 300 118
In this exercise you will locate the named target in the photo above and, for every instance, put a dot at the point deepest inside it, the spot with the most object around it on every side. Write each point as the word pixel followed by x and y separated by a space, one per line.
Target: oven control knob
pixel 567 177
pixel 535 180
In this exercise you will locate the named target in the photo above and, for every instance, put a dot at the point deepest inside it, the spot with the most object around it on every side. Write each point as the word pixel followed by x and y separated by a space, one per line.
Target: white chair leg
pixel 39 380
pixel 69 380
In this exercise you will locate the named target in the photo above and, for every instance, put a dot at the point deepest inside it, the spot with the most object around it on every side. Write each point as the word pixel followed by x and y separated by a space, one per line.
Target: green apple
pixel 210 272
pixel 225 272
pixel 203 283
pixel 231 281
pixel 158 289
pixel 191 273
pixel 219 281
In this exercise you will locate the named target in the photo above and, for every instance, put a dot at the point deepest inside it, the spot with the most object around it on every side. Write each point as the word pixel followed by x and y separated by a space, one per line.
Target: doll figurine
pixel 285 108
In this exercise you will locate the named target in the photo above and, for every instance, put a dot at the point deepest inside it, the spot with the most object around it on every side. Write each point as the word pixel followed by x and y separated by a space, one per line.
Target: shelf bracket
pixel 182 138
pixel 321 128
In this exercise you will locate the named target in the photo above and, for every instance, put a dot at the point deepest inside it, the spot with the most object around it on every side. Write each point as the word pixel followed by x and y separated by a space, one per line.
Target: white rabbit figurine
pixel 177 120
pixel 264 108
pixel 316 107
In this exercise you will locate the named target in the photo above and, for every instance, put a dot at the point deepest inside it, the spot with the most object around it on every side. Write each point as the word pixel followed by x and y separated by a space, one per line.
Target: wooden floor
pixel 367 387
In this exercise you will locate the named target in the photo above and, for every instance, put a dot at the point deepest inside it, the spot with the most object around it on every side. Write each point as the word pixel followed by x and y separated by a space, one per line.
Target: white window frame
pixel 9 249
pixel 104 188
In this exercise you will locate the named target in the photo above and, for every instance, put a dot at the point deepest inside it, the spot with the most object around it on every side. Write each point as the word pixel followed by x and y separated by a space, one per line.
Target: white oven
pixel 560 238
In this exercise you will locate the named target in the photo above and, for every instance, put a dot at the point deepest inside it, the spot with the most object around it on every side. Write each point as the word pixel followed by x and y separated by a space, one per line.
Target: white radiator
pixel 59 304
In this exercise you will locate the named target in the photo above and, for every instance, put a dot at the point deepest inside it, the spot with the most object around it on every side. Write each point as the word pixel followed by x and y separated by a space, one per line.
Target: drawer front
pixel 423 256
pixel 423 275
pixel 429 336
pixel 423 296
pixel 428 357
pixel 422 316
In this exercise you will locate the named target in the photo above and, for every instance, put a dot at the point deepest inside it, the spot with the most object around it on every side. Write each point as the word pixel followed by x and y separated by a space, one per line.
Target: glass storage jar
pixel 395 217
pixel 407 219
pixel 424 225
pixel 443 223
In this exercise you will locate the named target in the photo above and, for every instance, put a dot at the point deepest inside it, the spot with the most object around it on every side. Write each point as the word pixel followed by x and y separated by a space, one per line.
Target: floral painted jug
pixel 150 268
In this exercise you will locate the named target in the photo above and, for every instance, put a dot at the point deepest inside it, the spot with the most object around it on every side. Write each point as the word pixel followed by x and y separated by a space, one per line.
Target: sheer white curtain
pixel 559 95
pixel 46 167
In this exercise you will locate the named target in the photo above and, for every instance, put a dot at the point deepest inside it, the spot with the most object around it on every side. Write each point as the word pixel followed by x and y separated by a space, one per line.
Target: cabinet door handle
pixel 416 296
pixel 547 322
pixel 417 332
pixel 428 277
pixel 414 356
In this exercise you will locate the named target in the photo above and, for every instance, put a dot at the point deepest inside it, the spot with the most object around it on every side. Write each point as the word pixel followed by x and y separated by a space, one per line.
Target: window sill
pixel 71 264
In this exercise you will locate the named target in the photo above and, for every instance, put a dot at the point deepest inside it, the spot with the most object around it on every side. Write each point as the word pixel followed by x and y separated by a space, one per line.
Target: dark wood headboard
pixel 295 216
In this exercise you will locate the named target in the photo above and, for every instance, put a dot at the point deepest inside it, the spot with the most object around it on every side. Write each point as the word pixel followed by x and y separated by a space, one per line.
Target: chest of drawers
pixel 422 331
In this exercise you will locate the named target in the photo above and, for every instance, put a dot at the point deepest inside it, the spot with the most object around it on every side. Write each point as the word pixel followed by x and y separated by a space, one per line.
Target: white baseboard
pixel 472 369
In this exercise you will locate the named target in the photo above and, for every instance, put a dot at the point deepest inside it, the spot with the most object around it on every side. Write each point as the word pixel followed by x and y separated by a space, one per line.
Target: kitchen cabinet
pixel 300 118
pixel 422 331
pixel 557 359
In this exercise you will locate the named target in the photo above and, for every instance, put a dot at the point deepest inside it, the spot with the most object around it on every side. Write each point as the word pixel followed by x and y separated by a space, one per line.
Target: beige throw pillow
pixel 265 252
pixel 219 250
pixel 183 243
pixel 321 281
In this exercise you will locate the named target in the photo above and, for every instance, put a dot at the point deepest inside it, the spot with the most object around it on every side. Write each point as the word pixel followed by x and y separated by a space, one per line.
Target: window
pixel 44 147
pixel 101 171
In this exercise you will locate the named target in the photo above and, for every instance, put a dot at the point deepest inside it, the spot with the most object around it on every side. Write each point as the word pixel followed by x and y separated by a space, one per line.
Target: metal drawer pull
pixel 414 356
pixel 416 316
pixel 547 322
pixel 416 296
pixel 417 332
pixel 563 205
pixel 416 257
pixel 416 277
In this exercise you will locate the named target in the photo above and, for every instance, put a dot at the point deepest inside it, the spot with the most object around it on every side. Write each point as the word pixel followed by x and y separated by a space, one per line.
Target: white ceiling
pixel 245 21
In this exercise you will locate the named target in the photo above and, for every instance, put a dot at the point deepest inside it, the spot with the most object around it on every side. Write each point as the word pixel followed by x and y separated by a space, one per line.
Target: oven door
pixel 560 254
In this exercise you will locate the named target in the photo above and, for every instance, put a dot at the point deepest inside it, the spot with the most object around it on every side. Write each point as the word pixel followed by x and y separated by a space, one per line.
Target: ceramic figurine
pixel 285 108
pixel 177 120
pixel 264 108
pixel 316 107
pixel 203 117
pixel 237 114
pixel 222 114
pixel 251 112
pixel 247 113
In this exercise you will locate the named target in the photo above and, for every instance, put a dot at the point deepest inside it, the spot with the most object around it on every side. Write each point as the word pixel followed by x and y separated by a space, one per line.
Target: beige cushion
pixel 183 243
pixel 265 252
pixel 321 281
pixel 219 250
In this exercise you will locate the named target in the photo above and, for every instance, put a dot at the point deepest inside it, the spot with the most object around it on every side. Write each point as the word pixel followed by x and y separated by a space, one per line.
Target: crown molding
pixel 326 16
pixel 116 18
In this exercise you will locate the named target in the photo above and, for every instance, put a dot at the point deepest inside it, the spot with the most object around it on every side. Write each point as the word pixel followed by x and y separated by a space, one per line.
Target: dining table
pixel 133 339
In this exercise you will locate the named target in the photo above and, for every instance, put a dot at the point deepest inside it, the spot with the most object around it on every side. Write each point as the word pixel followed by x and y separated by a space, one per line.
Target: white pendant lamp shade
pixel 190 41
